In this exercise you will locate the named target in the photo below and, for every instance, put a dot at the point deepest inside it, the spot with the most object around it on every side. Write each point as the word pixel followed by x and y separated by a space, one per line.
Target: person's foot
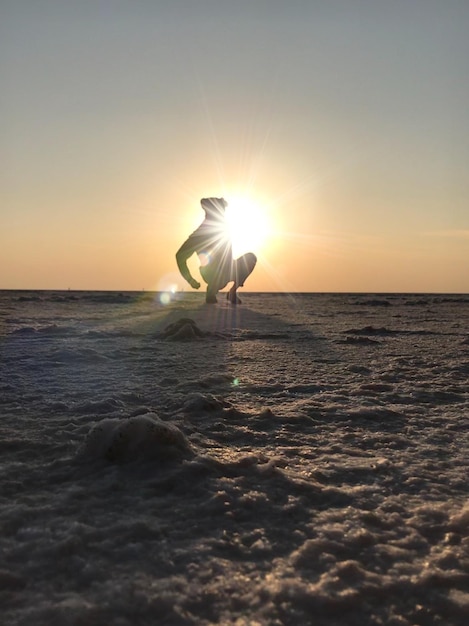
pixel 233 297
pixel 211 297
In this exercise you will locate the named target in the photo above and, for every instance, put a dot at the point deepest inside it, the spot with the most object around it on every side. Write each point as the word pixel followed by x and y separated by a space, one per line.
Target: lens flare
pixel 169 288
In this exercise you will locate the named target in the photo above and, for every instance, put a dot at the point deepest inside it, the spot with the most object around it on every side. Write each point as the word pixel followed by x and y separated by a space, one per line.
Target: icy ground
pixel 294 460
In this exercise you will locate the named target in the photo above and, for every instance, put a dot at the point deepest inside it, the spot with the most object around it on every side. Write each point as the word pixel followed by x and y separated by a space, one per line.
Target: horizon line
pixel 156 291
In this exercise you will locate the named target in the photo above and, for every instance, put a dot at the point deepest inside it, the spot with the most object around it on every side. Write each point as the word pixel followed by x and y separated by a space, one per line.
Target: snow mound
pixel 185 329
pixel 142 437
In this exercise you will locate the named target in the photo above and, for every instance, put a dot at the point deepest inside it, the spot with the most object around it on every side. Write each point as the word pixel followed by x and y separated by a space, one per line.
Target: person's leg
pixel 242 268
pixel 215 281
pixel 207 275
pixel 211 295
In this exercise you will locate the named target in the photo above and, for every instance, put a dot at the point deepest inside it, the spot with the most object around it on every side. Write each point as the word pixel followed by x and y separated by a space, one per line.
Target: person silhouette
pixel 212 244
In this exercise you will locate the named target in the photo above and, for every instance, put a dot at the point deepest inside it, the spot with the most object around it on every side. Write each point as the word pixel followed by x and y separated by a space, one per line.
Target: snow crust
pixel 294 460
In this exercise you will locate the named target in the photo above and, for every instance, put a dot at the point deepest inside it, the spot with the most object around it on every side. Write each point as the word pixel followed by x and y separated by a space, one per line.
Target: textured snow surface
pixel 293 460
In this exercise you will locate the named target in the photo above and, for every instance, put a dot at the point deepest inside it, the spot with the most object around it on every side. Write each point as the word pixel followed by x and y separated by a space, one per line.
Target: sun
pixel 248 224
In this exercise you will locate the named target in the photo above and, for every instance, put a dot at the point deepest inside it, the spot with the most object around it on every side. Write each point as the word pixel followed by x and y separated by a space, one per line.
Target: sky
pixel 341 128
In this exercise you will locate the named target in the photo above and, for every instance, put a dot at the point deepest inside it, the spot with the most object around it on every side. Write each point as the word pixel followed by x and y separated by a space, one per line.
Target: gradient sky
pixel 347 120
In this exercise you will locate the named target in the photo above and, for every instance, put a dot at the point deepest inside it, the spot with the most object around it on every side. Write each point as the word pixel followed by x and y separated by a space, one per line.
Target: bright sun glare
pixel 248 224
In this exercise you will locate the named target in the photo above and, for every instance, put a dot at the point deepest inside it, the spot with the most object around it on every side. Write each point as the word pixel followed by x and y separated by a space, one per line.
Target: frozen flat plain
pixel 298 459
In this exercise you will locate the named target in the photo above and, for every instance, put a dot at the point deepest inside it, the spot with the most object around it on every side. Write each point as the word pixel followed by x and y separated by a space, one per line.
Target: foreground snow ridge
pixel 142 437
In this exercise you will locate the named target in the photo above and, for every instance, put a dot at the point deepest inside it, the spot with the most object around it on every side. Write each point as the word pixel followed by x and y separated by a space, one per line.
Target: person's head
pixel 214 206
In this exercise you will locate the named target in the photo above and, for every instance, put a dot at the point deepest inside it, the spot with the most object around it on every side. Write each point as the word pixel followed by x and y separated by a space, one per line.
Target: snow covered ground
pixel 298 459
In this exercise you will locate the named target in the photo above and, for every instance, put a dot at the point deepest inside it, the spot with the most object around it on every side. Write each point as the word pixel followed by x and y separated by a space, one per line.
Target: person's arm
pixel 185 251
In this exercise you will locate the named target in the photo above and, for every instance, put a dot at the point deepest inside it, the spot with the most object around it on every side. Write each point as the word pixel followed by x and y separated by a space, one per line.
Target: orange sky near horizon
pixel 343 121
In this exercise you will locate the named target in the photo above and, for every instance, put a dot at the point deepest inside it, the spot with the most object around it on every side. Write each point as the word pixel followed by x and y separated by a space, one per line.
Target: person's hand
pixel 194 283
